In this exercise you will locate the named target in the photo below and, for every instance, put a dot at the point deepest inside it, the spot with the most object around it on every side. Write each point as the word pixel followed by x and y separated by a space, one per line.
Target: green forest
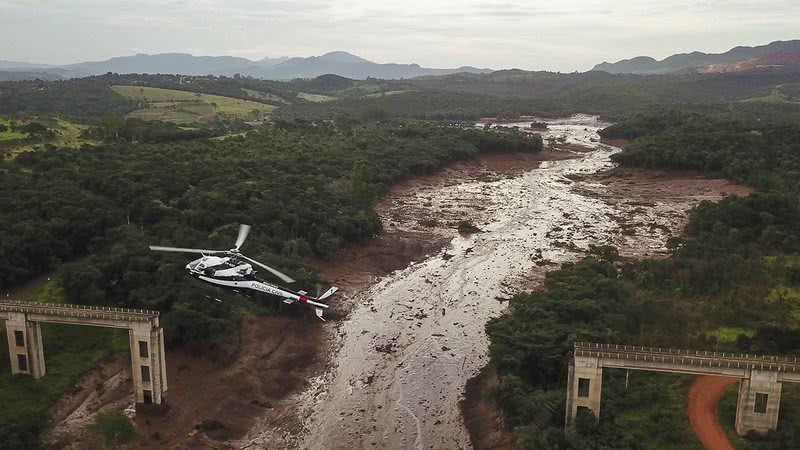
pixel 732 283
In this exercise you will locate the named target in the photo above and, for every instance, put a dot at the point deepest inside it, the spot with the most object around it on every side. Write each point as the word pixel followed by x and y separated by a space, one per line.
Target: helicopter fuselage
pixel 232 269
pixel 228 271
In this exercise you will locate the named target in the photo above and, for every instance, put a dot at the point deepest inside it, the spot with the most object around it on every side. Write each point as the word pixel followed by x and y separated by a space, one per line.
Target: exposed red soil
pixel 638 184
pixel 518 163
pixel 487 429
pixel 409 234
pixel 275 357
pixel 701 407
pixel 109 386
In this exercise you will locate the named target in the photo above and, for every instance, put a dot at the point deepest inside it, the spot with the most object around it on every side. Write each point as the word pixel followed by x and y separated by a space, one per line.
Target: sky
pixel 564 35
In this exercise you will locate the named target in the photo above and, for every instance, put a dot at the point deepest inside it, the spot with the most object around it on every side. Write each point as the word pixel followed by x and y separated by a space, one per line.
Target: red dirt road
pixel 701 407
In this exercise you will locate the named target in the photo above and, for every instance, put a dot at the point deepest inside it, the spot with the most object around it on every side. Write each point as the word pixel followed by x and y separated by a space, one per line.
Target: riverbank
pixel 403 357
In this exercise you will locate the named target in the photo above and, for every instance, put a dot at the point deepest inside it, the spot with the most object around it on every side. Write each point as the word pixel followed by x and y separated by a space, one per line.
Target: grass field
pixel 9 134
pixel 264 96
pixel 387 93
pixel 776 96
pixel 315 97
pixel 186 107
pixel 67 135
pixel 729 334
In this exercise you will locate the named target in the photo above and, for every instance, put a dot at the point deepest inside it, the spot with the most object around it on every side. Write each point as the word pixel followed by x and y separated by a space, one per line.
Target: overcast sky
pixel 563 35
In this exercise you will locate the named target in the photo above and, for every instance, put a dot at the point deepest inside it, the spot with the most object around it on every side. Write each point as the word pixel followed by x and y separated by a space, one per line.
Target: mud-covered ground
pixel 390 369
pixel 275 356
pixel 414 338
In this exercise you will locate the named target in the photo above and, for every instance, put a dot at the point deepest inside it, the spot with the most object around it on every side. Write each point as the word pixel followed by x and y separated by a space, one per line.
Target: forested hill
pixel 775 54
pixel 732 283
pixel 500 94
pixel 283 68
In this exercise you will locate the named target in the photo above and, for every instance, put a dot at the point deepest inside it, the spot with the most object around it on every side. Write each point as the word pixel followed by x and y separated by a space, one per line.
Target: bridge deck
pixel 688 358
pixel 78 311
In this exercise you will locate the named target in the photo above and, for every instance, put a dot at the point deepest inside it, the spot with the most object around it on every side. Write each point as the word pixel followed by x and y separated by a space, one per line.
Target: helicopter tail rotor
pixel 328 293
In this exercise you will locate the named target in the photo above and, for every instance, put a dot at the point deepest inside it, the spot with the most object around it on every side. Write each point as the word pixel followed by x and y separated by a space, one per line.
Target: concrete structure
pixel 25 349
pixel 760 377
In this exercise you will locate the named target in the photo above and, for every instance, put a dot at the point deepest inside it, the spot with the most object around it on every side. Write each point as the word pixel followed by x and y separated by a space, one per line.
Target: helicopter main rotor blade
pixel 277 273
pixel 244 230
pixel 184 250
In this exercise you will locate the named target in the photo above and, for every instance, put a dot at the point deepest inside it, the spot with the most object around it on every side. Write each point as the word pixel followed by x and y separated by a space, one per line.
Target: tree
pixel 360 187
pixel 114 428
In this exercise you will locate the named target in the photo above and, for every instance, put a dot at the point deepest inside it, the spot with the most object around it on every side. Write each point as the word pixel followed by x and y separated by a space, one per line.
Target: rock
pixel 261 404
pixel 210 425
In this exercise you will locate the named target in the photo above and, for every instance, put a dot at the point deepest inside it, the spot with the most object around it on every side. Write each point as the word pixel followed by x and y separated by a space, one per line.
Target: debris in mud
pixel 210 425
pixel 660 227
pixel 428 223
pixel 445 348
pixel 261 404
pixel 385 348
pixel 538 126
pixel 447 256
pixel 567 246
pixel 467 227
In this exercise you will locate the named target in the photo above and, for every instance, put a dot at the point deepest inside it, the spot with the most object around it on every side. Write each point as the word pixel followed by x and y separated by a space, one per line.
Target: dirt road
pixel 701 407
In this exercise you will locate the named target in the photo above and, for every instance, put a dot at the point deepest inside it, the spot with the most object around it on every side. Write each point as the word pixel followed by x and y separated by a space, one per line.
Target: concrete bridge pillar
pixel 758 403
pixel 147 363
pixel 584 386
pixel 25 347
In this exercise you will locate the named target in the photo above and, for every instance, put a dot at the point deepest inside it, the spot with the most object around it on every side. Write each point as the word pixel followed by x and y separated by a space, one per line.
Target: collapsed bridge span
pixel 760 377
pixel 26 349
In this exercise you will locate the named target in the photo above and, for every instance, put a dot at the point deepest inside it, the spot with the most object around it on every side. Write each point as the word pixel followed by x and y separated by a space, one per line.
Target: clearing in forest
pixel 315 97
pixel 60 133
pixel 183 106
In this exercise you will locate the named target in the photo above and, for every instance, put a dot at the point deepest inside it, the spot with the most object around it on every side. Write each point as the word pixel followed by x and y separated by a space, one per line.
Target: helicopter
pixel 232 269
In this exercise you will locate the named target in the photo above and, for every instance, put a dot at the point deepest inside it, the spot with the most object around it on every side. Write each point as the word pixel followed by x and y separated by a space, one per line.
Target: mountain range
pixel 339 63
pixel 778 54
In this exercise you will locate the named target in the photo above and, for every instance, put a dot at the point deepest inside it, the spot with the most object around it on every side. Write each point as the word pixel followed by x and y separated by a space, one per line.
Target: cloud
pixel 564 35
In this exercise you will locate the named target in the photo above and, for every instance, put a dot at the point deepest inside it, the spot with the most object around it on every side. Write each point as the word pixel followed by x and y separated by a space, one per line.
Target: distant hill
pixel 33 74
pixel 779 54
pixel 338 63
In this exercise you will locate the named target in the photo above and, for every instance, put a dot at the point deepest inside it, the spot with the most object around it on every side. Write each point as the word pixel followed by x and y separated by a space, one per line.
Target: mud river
pixel 412 339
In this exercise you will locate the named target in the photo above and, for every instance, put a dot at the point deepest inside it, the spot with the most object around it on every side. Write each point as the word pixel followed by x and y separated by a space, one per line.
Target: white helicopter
pixel 232 269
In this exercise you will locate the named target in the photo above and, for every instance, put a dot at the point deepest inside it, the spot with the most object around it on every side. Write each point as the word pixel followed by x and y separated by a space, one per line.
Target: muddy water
pixel 404 355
